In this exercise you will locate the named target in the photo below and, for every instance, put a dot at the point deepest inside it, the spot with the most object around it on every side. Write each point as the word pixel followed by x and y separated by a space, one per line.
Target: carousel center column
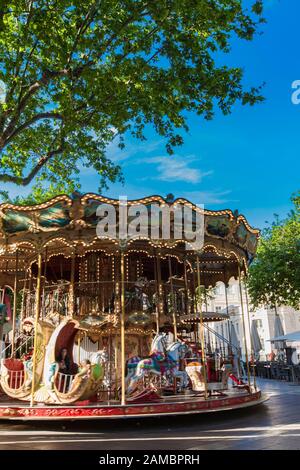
pixel 37 314
pixel 199 305
pixel 14 316
pixel 123 353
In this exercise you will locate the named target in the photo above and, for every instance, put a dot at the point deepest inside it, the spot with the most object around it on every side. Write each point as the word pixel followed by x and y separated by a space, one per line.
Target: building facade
pixel 263 317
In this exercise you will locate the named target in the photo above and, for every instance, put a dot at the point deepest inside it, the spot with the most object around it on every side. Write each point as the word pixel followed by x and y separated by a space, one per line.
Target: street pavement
pixel 272 425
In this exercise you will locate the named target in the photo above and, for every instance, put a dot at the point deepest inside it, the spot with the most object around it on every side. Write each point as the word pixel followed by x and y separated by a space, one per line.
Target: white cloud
pixel 208 197
pixel 176 168
pixel 117 155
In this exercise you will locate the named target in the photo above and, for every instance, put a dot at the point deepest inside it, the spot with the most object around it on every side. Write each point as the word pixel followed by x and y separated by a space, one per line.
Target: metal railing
pixel 16 378
pixel 64 382
pixel 28 339
pixel 222 338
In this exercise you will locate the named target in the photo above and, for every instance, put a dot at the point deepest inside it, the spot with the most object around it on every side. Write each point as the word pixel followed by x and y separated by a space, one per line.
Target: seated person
pixel 64 363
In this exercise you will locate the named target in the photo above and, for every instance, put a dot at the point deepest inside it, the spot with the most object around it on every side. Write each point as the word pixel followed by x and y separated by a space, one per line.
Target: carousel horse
pixel 131 366
pixel 158 347
pixel 163 361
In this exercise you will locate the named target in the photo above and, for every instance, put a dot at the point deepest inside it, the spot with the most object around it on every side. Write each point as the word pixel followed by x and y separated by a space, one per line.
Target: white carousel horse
pixel 163 361
pixel 99 357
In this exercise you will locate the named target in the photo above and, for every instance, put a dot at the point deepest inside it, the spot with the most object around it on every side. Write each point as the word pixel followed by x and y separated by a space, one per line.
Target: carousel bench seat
pixel 15 369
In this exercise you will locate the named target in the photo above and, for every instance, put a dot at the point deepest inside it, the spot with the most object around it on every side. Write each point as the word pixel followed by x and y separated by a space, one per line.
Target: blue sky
pixel 248 160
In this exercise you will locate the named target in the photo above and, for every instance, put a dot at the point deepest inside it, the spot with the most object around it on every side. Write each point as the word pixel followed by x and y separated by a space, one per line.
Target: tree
pixel 76 74
pixel 274 276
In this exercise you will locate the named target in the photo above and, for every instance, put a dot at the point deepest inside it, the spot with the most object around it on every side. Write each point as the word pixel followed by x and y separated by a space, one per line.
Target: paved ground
pixel 273 425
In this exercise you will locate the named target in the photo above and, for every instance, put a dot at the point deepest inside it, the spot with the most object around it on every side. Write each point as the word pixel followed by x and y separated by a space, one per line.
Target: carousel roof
pixel 65 225
pixel 64 212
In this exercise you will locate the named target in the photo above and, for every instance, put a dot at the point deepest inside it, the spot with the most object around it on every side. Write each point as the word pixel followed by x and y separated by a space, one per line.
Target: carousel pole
pixel 186 288
pixel 244 327
pixel 28 300
pixel 201 330
pixel 23 297
pixel 78 347
pixel 194 305
pixel 123 357
pixel 160 289
pixel 207 331
pixel 117 308
pixel 157 293
pixel 72 286
pixel 172 299
pixel 44 285
pixel 37 312
pixel 227 311
pixel 251 339
pixel 14 318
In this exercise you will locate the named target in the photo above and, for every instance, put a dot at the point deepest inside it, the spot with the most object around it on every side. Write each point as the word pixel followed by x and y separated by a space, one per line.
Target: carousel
pixel 110 327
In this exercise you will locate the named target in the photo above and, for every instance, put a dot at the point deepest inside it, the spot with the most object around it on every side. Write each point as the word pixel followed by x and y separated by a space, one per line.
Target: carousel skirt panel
pixel 176 406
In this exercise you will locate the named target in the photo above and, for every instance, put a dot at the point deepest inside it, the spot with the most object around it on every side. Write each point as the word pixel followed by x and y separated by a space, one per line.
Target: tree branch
pixel 27 179
pixel 46 77
pixel 25 125
pixel 82 28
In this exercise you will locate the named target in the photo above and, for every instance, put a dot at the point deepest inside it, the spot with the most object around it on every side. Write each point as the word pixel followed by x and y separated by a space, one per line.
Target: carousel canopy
pixel 205 317
pixel 67 224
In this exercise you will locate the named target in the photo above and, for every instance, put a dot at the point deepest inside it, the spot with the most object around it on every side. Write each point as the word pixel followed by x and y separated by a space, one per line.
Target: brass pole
pixel 251 339
pixel 194 305
pixel 14 318
pixel 78 346
pixel 123 358
pixel 244 328
pixel 201 329
pixel 37 312
pixel 227 311
pixel 23 297
pixel 72 286
pixel 207 331
pixel 172 299
pixel 160 290
pixel 186 288
pixel 44 284
pixel 157 293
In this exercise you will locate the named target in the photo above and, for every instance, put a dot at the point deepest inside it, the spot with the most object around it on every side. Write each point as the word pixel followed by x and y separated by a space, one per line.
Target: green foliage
pixel 76 74
pixel 274 277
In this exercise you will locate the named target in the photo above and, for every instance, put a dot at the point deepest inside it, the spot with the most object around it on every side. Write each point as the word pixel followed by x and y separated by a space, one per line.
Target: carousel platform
pixel 166 406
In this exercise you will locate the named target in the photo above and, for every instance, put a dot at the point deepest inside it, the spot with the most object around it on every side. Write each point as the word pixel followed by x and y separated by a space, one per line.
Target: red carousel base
pixel 176 405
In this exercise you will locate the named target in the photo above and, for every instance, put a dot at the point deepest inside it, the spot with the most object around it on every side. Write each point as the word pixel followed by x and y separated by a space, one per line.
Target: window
pixel 218 290
pixel 230 289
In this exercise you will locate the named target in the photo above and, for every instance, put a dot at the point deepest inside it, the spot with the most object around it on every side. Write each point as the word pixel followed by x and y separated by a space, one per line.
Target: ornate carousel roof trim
pixel 63 218
pixel 89 197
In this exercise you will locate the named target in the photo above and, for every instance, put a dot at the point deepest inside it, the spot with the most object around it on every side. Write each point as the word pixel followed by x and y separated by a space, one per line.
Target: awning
pixel 255 339
pixel 233 337
pixel 278 331
pixel 295 336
